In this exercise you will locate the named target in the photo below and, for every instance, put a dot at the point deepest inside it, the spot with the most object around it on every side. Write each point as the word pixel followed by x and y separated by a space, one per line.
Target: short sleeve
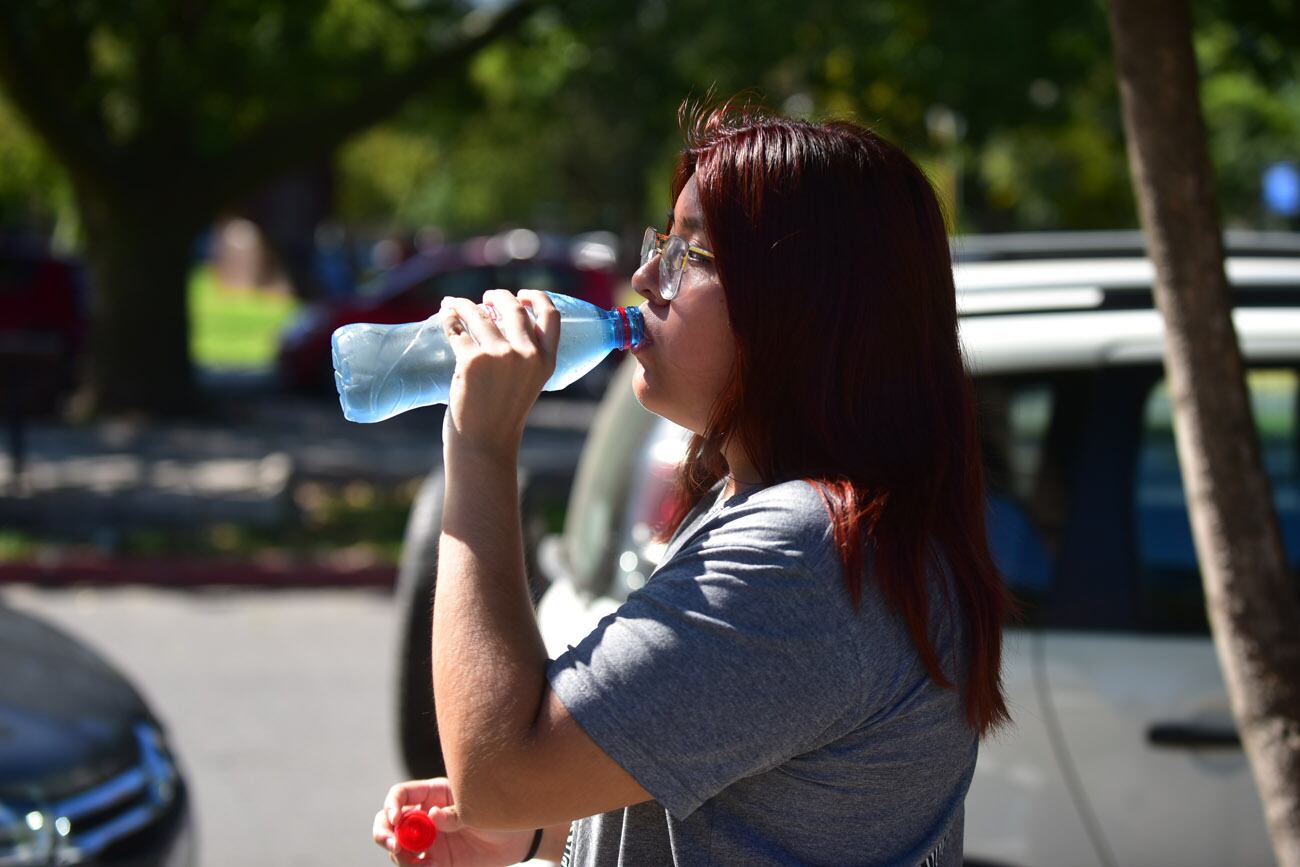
pixel 735 657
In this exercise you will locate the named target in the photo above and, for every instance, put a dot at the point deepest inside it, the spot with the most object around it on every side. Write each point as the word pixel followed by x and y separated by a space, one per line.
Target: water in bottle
pixel 382 370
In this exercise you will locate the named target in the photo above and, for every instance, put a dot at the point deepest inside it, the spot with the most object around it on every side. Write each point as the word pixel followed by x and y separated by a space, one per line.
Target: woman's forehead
pixel 688 201
pixel 687 216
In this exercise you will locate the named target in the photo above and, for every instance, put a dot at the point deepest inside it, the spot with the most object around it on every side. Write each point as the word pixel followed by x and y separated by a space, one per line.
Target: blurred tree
pixel 34 190
pixel 1251 97
pixel 580 105
pixel 567 121
pixel 1250 591
pixel 1011 105
pixel 163 112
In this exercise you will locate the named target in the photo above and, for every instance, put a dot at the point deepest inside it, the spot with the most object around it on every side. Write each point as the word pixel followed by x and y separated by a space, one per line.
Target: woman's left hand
pixel 503 358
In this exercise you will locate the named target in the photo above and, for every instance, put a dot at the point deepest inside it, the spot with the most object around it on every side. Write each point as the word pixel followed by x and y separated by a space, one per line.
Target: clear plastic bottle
pixel 383 370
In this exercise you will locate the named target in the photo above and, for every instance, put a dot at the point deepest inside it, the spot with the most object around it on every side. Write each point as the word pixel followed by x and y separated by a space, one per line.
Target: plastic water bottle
pixel 383 370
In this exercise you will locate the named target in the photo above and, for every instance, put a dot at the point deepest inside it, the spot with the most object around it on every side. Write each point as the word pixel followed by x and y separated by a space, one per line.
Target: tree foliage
pixel 1015 99
pixel 161 113
pixel 570 122
pixel 244 90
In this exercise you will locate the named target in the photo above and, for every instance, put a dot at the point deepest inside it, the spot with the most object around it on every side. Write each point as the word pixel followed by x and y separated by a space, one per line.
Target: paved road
pixel 279 703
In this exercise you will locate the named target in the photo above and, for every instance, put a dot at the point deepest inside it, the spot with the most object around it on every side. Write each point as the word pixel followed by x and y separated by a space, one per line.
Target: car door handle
pixel 1186 735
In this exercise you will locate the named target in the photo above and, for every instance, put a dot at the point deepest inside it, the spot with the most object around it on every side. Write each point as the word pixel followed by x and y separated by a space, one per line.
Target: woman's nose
pixel 646 281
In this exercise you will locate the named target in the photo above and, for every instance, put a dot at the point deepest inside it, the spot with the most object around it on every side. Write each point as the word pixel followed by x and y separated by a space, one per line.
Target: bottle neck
pixel 629 327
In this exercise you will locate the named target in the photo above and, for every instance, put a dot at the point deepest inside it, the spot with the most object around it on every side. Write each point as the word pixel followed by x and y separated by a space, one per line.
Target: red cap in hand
pixel 415 831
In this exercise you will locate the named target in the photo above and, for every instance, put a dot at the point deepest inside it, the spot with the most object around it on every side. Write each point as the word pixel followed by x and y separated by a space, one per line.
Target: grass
pixel 234 328
pixel 356 520
pixel 356 523
pixel 16 546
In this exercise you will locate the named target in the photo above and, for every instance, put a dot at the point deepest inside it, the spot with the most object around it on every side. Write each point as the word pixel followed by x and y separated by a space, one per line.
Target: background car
pixel 86 772
pixel 582 267
pixel 44 326
pixel 1124 750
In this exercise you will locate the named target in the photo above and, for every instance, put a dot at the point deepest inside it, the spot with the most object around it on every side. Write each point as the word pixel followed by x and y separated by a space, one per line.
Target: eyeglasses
pixel 674 251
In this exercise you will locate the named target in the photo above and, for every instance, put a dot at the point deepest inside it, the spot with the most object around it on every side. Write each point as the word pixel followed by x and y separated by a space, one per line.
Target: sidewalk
pixel 241 467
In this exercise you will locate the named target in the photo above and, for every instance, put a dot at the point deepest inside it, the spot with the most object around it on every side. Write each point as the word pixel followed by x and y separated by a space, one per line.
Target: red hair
pixel 833 256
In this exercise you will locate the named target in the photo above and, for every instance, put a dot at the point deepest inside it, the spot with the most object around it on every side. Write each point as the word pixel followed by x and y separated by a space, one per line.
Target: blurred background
pixel 193 195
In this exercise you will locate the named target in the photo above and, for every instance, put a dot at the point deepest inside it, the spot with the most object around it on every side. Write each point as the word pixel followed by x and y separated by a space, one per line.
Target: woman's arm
pixel 514 756
pixel 489 661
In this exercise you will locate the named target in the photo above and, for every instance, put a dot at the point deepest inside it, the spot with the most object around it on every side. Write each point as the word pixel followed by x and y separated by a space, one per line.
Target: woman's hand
pixel 456 844
pixel 503 358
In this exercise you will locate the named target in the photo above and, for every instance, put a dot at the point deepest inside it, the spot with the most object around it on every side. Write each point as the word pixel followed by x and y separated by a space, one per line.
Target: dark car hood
pixel 64 713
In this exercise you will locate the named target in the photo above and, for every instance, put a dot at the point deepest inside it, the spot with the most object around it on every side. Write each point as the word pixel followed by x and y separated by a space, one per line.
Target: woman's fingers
pixel 453 328
pixel 394 801
pixel 446 819
pixel 498 379
pixel 548 318
pixel 435 792
pixel 528 334
pixel 511 319
pixel 399 796
pixel 434 796
pixel 382 830
pixel 473 321
pixel 505 317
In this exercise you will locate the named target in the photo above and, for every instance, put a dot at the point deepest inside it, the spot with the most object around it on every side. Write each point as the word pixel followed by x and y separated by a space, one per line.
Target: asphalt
pixel 240 464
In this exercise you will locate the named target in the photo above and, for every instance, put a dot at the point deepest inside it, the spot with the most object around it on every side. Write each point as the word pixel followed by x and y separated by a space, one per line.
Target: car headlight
pixel 93 808
pixel 158 761
pixel 26 837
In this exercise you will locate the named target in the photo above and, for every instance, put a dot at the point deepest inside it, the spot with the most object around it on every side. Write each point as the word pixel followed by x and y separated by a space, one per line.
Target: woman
pixel 807 676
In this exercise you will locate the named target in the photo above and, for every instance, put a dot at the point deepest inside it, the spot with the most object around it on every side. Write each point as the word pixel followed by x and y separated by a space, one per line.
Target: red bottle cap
pixel 415 831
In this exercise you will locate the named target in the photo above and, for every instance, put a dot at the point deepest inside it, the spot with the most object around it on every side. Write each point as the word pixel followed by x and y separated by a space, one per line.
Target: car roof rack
pixel 1105 245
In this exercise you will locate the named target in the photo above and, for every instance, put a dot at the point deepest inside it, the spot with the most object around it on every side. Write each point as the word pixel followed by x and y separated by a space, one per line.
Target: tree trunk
pixel 1251 597
pixel 139 260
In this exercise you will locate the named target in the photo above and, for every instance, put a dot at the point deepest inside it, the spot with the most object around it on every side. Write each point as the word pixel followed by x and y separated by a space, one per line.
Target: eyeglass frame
pixel 668 289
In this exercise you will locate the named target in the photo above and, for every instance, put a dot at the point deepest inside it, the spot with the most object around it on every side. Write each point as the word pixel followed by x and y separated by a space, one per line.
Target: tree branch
pixel 286 139
pixel 77 138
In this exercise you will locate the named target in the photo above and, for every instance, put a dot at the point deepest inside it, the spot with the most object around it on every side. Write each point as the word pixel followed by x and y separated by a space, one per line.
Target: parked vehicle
pixel 412 290
pixel 44 326
pixel 87 775
pixel 1124 750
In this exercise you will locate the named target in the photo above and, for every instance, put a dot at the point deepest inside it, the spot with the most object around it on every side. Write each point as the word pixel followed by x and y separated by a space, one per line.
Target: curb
pixel 185 573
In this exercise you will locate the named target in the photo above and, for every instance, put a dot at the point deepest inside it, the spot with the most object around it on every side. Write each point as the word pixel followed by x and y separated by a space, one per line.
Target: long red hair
pixel 833 256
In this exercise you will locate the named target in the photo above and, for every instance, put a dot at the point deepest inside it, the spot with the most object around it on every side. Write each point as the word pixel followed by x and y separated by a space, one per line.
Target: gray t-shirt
pixel 771 723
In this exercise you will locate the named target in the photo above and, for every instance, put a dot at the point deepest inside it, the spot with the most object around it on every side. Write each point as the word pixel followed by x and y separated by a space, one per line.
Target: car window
pixel 1170 597
pixel 1026 501
pixel 461 283
pixel 534 275
pixel 1086 514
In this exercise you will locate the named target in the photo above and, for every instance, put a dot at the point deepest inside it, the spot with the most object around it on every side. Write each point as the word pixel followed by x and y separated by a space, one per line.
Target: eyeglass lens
pixel 672 256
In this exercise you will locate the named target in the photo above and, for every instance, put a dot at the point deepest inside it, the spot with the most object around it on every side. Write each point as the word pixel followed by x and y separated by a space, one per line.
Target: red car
pixel 583 267
pixel 42 324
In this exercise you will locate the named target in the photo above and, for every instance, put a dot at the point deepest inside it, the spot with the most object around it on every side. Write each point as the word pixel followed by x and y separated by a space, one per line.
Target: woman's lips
pixel 647 333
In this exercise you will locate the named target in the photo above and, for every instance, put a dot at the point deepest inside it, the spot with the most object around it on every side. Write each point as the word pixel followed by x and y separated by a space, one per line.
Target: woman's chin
pixel 653 400
pixel 647 394
pixel 640 387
